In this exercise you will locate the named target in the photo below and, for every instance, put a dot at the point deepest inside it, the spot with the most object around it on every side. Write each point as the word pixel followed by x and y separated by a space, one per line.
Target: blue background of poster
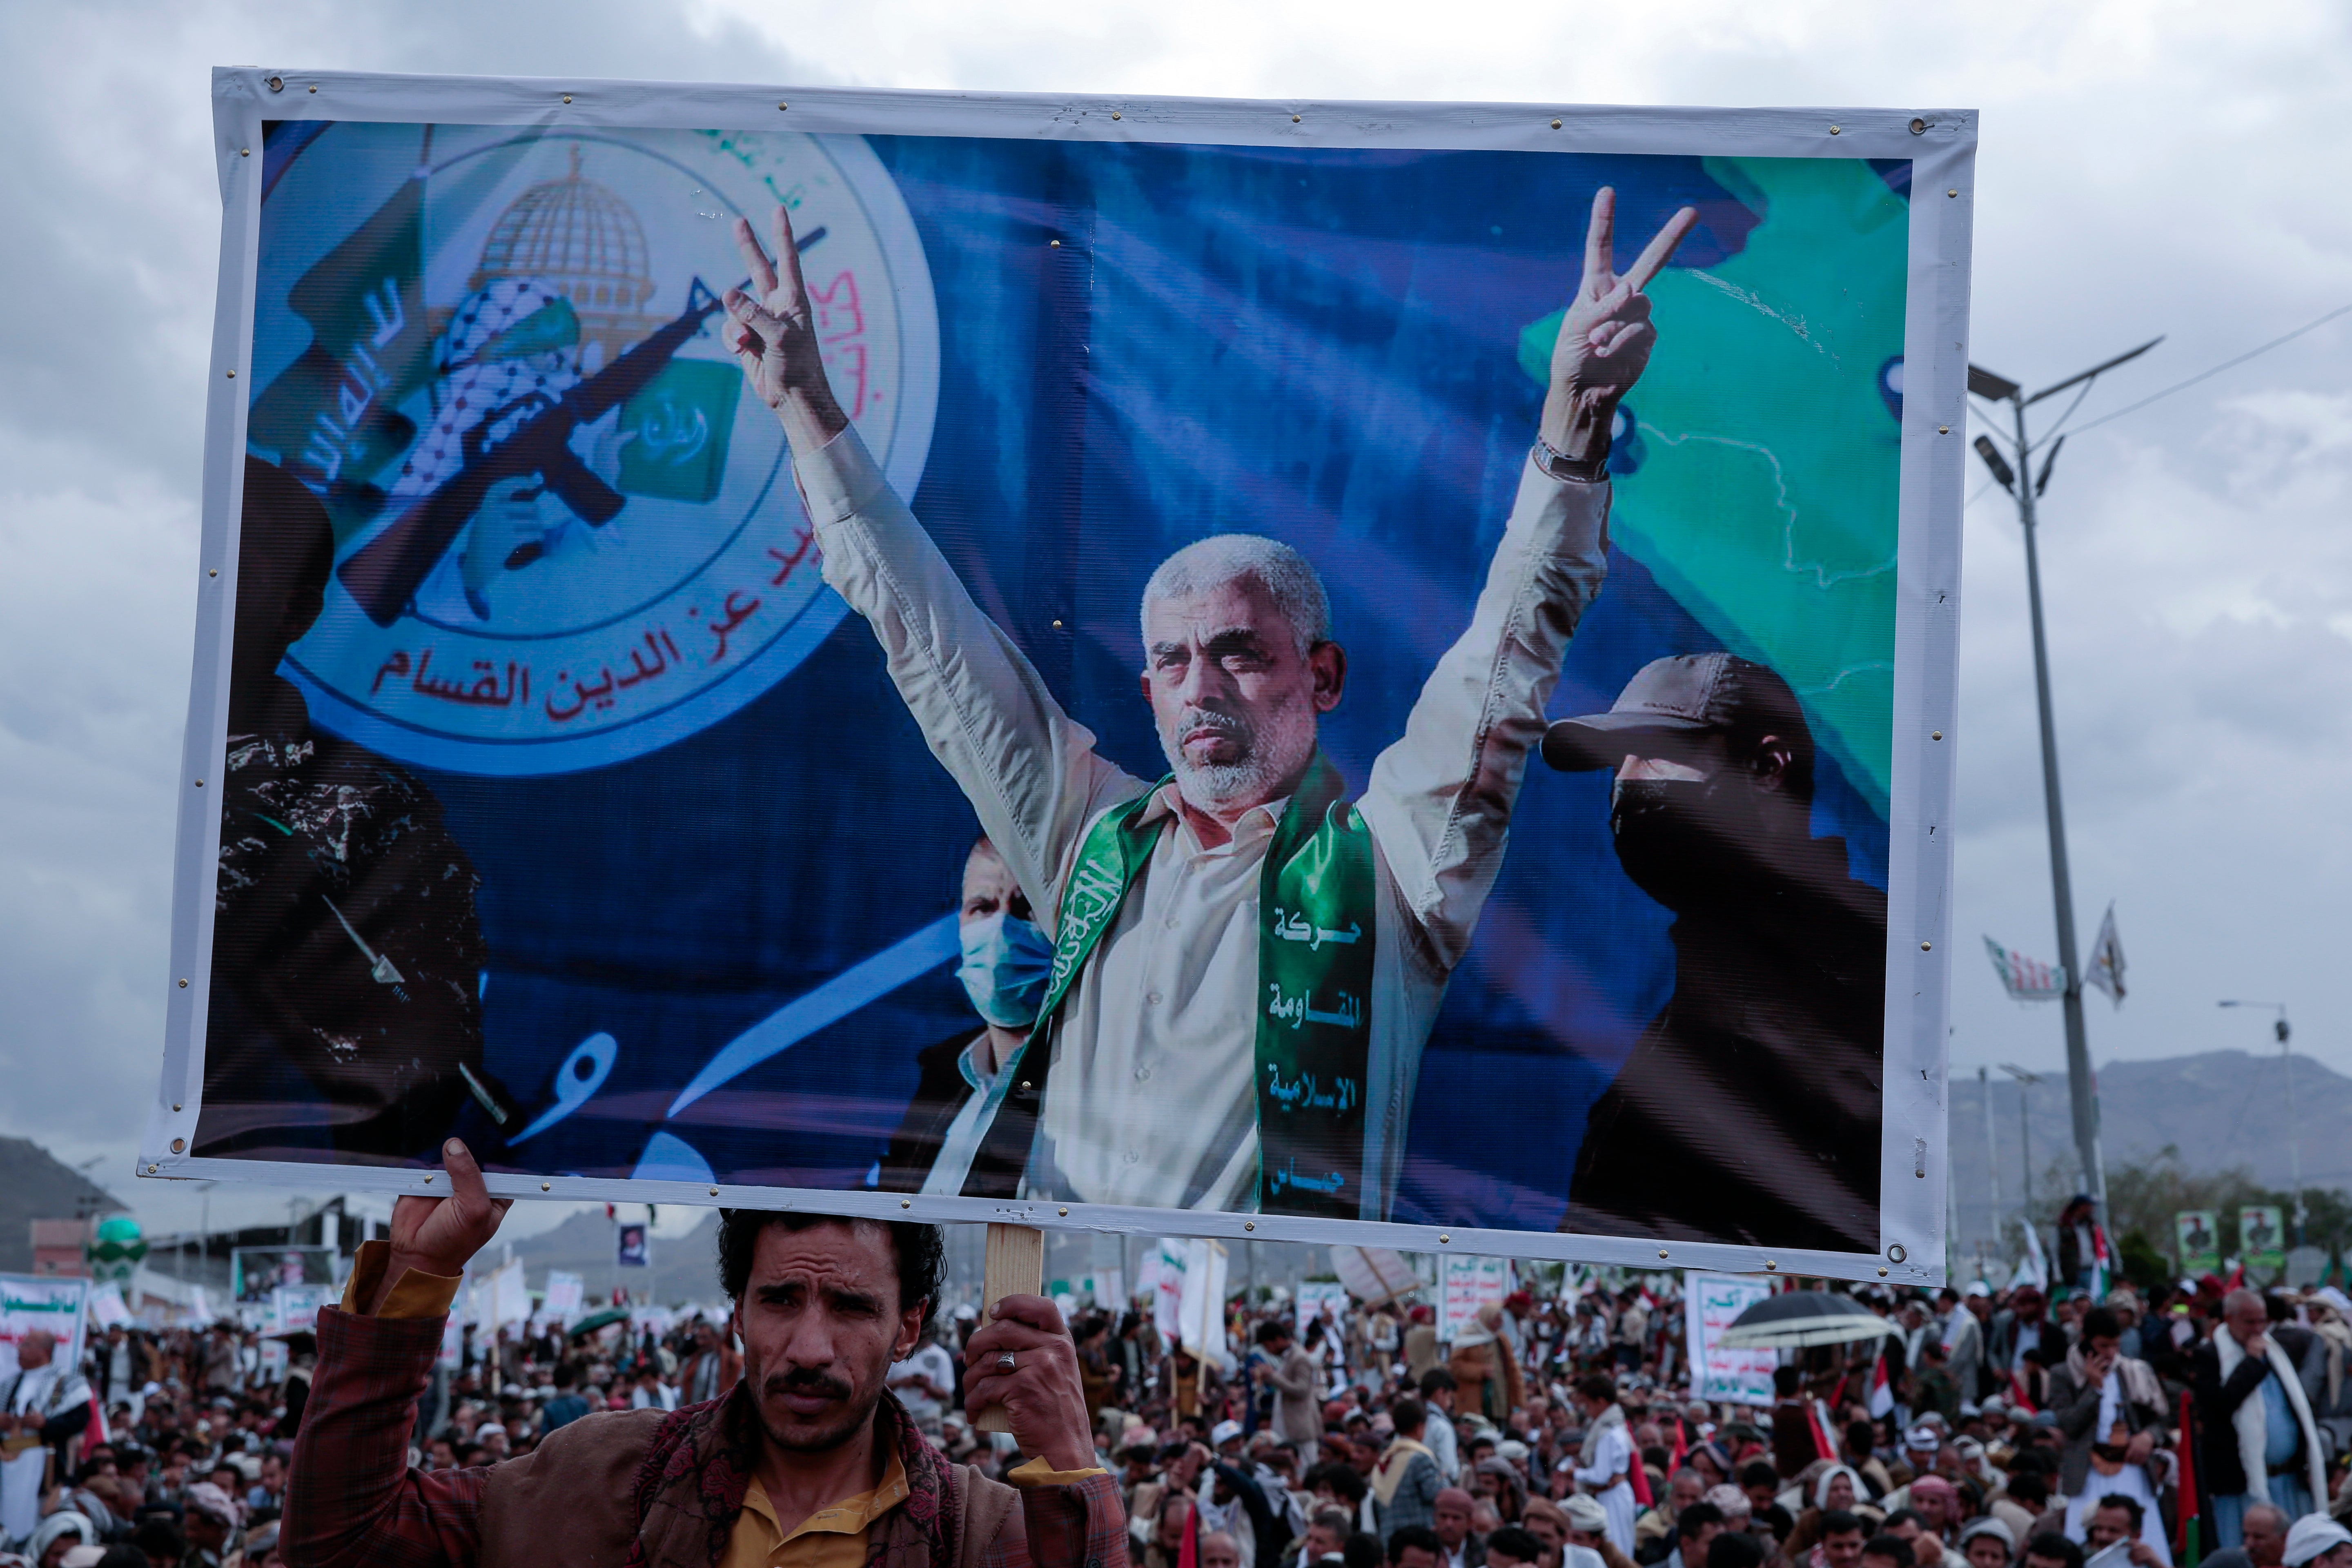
pixel 1319 346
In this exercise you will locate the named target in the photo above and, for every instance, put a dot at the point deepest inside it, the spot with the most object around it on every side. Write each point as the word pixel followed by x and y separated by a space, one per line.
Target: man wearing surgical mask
pixel 1777 1018
pixel 1005 962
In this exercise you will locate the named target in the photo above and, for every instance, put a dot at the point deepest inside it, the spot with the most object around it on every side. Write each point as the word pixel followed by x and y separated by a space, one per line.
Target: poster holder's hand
pixel 772 335
pixel 440 1235
pixel 1606 337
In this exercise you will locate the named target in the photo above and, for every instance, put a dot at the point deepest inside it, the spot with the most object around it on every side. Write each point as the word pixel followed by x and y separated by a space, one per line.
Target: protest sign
pixel 1464 1285
pixel 53 1304
pixel 564 1295
pixel 681 691
pixel 1711 1303
pixel 294 1309
pixel 1314 1295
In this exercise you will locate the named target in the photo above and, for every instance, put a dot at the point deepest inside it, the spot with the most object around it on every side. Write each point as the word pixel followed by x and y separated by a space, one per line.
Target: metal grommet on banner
pixel 1926 947
pixel 179 1145
pixel 547 1187
pixel 1943 429
pixel 1294 119
pixel 1919 127
pixel 1025 1084
pixel 1882 1274
pixel 245 151
pixel 1062 1211
pixel 1934 734
pixel 1662 1252
pixel 200 783
pixel 1833 130
pixel 906 1203
pixel 1769 1266
pixel 175 1108
pixel 184 985
pixel 232 375
pixel 278 84
pixel 1555 125
pixel 781 107
pixel 1953 191
pixel 567 98
pixel 1246 1224
pixel 314 87
pixel 428 1180
pixel 214 572
pixel 1114 114
pixel 151 1170
pixel 1053 245
pixel 1443 1239
pixel 1896 1254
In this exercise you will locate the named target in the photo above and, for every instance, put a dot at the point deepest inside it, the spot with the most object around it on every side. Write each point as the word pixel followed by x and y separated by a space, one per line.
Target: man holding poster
pixel 1247 961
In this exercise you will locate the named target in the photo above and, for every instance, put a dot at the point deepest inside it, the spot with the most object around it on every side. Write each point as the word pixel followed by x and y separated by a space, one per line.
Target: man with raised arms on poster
pixel 1247 962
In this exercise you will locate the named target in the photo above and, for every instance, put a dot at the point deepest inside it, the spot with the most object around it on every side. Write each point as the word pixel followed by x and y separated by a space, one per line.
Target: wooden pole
pixel 1014 1266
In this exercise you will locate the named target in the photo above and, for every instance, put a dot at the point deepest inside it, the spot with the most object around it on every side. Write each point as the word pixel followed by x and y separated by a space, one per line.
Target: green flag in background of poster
pixel 332 416
pixel 1766 490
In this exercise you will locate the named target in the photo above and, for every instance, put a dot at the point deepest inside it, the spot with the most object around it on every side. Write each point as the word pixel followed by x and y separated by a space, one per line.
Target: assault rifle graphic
pixel 384 575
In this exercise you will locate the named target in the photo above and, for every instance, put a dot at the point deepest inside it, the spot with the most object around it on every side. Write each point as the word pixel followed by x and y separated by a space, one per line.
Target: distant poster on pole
pixel 1464 1285
pixel 255 1271
pixel 2262 1238
pixel 655 534
pixel 1712 1303
pixel 633 1243
pixel 2197 1241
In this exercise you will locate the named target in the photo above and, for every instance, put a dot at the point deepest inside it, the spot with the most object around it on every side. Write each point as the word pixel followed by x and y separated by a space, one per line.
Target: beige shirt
pixel 1153 1101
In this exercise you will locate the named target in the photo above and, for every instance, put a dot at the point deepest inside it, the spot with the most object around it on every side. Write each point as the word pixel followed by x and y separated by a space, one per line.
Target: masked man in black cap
pixel 1750 1109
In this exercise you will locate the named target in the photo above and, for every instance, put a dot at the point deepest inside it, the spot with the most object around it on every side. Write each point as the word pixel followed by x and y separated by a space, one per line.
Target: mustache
pixel 806 1380
pixel 1192 719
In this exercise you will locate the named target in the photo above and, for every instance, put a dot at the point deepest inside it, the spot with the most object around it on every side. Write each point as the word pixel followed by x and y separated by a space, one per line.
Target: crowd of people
pixel 2014 1428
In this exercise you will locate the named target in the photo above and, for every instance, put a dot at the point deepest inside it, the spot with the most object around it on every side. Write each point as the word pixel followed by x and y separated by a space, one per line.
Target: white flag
pixel 2106 969
pixel 2034 1269
pixel 2026 979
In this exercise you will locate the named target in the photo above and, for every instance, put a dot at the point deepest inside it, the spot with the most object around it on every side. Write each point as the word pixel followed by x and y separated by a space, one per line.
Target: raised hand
pixel 440 1235
pixel 1605 341
pixel 773 337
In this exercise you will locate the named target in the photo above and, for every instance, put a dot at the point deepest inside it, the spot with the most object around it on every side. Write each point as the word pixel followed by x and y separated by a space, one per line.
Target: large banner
pixel 42 1303
pixel 1376 673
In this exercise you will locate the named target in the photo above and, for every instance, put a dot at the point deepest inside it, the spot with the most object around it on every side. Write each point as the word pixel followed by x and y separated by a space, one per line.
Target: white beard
pixel 1271 757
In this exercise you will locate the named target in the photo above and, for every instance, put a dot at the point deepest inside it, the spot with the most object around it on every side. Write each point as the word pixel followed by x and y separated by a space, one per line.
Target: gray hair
pixel 1288 578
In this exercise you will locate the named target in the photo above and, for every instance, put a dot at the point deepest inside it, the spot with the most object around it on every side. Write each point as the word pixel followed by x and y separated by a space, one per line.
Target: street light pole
pixel 2025 1130
pixel 2027 488
pixel 2280 1027
pixel 1992 1165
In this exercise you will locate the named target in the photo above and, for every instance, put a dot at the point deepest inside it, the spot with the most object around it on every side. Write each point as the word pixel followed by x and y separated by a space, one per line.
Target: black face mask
pixel 1688 843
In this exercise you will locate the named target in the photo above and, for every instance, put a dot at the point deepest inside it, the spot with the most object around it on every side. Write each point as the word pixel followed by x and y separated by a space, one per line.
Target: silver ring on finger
pixel 1005 1362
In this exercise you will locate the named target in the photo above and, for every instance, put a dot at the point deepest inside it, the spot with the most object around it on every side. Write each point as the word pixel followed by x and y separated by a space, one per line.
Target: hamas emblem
pixel 565 534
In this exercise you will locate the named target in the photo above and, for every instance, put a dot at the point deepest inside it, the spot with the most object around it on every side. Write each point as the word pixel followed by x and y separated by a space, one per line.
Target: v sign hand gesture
pixel 773 337
pixel 1605 341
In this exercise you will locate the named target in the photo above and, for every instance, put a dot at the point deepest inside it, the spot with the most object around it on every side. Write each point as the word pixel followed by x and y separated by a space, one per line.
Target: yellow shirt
pixel 832 1537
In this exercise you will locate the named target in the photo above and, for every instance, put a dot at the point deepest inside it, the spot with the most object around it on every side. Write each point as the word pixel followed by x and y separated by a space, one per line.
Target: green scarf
pixel 1314 975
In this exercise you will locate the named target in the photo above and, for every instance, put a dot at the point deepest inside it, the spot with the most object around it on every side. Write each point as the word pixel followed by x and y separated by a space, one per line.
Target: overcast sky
pixel 2146 167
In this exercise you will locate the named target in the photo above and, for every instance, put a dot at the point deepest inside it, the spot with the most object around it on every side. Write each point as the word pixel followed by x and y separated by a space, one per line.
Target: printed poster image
pixel 2197 1236
pixel 1153 674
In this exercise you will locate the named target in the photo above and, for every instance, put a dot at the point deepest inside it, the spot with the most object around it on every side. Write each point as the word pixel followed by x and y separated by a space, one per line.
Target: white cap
pixel 2311 1535
pixel 1223 1433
